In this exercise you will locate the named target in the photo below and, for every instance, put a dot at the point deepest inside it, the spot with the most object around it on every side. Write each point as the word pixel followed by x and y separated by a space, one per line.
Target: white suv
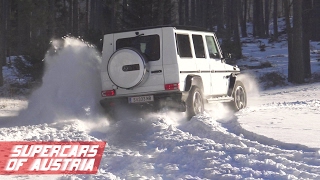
pixel 175 67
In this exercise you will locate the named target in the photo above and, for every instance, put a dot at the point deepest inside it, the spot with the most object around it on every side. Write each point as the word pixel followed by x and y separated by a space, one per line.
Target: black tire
pixel 194 102
pixel 239 96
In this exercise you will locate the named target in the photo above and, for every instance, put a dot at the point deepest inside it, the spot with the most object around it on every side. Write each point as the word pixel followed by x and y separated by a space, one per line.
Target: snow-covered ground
pixel 275 137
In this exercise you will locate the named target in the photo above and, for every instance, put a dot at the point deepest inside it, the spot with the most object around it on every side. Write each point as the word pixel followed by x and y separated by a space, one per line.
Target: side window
pixel 183 45
pixel 198 46
pixel 212 48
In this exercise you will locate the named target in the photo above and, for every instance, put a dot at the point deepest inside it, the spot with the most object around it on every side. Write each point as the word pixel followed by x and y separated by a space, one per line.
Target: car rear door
pixel 149 42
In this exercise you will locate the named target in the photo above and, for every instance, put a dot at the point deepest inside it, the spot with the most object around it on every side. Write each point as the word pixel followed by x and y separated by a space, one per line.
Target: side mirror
pixel 225 56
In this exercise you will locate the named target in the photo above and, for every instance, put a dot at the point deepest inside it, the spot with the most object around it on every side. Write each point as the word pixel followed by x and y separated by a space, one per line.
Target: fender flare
pixel 232 82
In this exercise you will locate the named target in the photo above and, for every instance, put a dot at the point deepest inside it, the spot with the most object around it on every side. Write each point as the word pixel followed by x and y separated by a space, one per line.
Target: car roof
pixel 192 28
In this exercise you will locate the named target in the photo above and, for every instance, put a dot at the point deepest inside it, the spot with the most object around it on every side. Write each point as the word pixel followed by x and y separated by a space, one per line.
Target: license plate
pixel 140 99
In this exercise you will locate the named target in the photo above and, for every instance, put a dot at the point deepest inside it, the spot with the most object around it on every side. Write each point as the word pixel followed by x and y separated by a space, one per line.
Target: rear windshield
pixel 149 45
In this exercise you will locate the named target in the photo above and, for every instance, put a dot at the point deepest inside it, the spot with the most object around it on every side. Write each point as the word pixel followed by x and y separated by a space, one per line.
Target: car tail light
pixel 173 86
pixel 108 93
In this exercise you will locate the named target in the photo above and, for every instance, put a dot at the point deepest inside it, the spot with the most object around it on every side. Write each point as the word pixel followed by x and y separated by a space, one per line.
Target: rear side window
pixel 183 45
pixel 149 45
pixel 198 46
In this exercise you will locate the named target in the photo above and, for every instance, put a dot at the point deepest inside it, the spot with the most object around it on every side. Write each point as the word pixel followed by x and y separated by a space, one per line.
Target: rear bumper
pixel 173 100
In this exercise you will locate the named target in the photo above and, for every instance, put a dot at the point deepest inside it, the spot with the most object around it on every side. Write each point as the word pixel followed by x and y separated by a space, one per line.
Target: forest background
pixel 28 26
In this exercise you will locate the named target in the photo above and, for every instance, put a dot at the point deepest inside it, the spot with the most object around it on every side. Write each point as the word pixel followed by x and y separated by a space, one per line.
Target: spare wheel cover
pixel 127 68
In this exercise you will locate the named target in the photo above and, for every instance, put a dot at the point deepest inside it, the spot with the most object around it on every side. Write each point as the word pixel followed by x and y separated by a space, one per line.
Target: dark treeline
pixel 27 26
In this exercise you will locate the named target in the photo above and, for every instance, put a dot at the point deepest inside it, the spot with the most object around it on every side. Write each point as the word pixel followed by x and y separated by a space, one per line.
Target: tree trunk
pixel 186 11
pixel 231 40
pixel 51 20
pixel 235 27
pixel 298 63
pixel 228 19
pixel 316 21
pixel 3 31
pixel 261 24
pixel 266 17
pixel 193 12
pixel 275 19
pixel 243 18
pixel 70 18
pixel 3 20
pixel 204 7
pixel 258 20
pixel 286 7
pixel 306 28
pixel 181 12
pixel 169 12
pixel 249 18
pixel 75 17
pixel 220 20
pixel 254 19
pixel 160 12
pixel 21 28
pixel 87 18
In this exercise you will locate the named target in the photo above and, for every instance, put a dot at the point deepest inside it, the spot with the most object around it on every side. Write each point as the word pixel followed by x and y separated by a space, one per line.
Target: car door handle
pixel 156 71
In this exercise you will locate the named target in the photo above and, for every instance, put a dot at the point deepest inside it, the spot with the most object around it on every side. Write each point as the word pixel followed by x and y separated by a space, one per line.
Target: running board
pixel 220 99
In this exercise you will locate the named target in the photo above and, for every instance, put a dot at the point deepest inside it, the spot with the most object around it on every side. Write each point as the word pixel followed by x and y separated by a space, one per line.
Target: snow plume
pixel 71 84
pixel 252 88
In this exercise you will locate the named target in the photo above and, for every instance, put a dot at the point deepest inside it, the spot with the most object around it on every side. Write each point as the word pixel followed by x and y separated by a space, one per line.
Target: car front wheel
pixel 240 96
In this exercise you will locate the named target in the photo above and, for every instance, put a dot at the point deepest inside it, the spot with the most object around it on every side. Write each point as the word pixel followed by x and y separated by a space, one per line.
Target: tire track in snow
pixel 200 148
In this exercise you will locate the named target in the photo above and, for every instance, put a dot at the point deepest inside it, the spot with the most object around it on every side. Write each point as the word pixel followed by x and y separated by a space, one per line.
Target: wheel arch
pixel 193 80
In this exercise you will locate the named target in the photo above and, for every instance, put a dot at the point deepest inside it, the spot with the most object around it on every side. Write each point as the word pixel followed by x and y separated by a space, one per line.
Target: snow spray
pixel 71 84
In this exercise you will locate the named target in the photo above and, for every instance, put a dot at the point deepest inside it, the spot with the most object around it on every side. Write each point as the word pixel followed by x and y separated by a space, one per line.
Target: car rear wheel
pixel 195 103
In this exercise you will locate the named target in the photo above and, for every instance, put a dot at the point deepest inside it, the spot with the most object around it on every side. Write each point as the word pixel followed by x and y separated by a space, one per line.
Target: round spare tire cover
pixel 127 68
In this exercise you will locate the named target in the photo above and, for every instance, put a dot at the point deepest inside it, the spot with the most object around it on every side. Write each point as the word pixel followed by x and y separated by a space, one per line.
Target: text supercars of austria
pixel 54 158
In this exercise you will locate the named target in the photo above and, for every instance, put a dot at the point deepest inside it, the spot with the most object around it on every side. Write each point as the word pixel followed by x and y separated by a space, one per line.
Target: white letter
pixel 44 152
pixel 16 149
pixel 74 164
pixel 83 150
pixel 56 165
pixel 65 164
pixel 63 149
pixel 82 164
pixel 20 163
pixel 89 165
pixel 10 167
pixel 73 151
pixel 55 151
pixel 93 151
pixel 25 149
pixel 35 150
pixel 35 165
pixel 43 164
